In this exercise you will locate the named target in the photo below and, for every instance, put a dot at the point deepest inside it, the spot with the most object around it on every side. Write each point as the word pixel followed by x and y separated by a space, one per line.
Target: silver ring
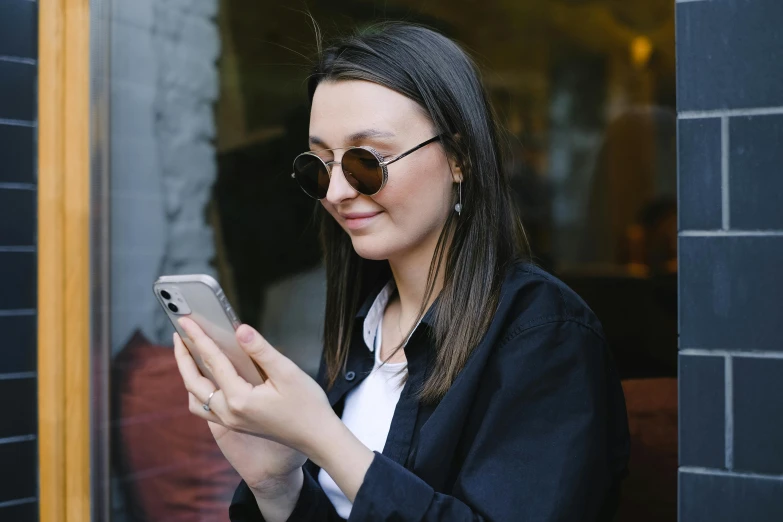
pixel 206 404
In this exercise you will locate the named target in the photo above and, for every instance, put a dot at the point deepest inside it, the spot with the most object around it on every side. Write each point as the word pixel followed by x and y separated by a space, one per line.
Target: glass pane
pixel 208 111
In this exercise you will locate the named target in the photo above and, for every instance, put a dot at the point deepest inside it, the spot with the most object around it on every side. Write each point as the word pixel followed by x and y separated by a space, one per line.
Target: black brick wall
pixel 18 265
pixel 730 136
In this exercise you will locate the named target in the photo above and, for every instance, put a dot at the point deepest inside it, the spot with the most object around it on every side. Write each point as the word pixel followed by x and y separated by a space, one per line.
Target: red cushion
pixel 169 465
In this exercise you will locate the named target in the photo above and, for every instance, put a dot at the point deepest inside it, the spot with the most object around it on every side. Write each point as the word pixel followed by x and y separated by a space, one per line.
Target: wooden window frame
pixel 64 260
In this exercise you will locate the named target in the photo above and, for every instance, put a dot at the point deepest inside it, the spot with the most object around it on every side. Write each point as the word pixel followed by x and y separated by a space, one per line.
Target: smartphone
pixel 200 298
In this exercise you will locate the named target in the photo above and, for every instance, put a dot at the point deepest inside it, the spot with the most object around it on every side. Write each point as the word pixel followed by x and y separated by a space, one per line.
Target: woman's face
pixel 407 215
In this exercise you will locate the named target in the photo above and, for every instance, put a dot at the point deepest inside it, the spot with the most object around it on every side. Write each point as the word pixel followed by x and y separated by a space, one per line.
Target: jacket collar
pixel 419 350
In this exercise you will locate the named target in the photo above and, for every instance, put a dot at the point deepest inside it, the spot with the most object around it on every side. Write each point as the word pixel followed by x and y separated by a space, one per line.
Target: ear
pixel 456 170
pixel 455 165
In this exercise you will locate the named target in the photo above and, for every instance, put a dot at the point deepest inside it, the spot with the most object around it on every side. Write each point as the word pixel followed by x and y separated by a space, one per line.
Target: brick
pixel 730 294
pixel 699 169
pixel 19 414
pixel 18 28
pixel 18 349
pixel 702 411
pixel 729 54
pixel 758 415
pixel 756 172
pixel 27 512
pixel 18 284
pixel 17 217
pixel 17 91
pixel 20 469
pixel 728 498
pixel 17 154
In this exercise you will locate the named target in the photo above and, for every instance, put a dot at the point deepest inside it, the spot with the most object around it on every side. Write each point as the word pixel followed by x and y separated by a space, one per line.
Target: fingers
pixel 196 407
pixel 199 387
pixel 268 358
pixel 215 360
pixel 191 376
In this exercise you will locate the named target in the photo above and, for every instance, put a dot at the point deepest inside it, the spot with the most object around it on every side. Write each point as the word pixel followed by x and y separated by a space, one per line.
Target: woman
pixel 458 381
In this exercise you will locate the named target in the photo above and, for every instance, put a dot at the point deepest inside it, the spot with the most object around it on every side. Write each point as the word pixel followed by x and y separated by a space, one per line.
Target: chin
pixel 373 248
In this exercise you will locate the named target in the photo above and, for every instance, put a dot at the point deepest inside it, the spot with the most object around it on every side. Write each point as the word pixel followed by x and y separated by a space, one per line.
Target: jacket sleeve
pixel 312 506
pixel 539 451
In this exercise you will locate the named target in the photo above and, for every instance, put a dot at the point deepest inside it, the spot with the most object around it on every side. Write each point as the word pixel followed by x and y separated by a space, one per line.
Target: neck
pixel 410 273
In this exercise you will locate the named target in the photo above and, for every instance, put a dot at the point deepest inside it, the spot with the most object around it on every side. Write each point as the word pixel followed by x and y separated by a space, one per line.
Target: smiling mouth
pixel 359 220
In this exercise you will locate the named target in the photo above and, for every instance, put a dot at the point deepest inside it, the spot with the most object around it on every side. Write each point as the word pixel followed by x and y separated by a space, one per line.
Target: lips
pixel 357 220
pixel 360 215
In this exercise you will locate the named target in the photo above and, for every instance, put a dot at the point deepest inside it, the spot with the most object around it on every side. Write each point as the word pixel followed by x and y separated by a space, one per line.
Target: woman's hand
pixel 288 408
pixel 263 464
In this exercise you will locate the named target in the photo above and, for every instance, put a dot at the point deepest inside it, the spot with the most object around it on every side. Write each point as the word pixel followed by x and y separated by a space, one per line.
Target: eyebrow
pixel 356 136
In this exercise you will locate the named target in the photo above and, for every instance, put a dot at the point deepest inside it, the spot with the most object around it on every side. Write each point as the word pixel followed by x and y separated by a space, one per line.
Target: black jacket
pixel 533 429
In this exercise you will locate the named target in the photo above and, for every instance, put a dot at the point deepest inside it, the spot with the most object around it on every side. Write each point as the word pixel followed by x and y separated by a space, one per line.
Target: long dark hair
pixel 436 73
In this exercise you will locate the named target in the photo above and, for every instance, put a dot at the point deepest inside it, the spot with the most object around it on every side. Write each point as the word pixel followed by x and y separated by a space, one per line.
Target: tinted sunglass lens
pixel 312 176
pixel 362 170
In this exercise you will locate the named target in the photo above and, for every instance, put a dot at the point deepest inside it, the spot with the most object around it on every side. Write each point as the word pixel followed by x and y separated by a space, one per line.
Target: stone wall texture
pixel 164 81
pixel 730 104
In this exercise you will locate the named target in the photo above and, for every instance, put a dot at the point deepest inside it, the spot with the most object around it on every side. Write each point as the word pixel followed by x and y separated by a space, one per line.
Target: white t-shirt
pixel 369 407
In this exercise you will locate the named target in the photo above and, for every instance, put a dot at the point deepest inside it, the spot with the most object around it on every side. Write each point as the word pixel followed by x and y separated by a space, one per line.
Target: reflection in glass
pixel 208 110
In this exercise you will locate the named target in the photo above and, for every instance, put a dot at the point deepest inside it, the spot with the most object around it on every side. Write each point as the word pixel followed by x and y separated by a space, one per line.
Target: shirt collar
pixel 372 312
pixel 375 314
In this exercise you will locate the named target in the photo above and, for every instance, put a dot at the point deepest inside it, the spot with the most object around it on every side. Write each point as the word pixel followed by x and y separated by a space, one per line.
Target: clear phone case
pixel 199 297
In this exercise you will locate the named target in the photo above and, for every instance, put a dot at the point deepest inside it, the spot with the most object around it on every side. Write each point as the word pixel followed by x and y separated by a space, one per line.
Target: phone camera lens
pixel 165 294
pixel 173 307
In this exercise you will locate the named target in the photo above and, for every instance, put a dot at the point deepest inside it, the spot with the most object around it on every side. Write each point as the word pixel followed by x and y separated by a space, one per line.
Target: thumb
pixel 253 343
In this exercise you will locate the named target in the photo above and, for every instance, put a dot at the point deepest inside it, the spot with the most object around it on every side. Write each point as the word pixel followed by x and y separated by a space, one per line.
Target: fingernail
pixel 245 333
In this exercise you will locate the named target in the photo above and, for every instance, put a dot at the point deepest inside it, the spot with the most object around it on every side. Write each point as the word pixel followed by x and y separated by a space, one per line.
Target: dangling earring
pixel 458 206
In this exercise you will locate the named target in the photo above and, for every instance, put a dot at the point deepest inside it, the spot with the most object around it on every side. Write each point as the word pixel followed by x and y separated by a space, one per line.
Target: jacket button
pixel 350 376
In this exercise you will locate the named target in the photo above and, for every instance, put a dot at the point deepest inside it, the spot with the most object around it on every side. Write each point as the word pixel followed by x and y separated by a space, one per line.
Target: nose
pixel 339 188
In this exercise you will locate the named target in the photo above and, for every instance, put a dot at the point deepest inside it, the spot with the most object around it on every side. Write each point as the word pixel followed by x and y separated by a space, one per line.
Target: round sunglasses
pixel 364 169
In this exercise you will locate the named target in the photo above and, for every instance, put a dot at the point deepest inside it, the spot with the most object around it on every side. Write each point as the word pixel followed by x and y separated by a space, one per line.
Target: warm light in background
pixel 641 49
